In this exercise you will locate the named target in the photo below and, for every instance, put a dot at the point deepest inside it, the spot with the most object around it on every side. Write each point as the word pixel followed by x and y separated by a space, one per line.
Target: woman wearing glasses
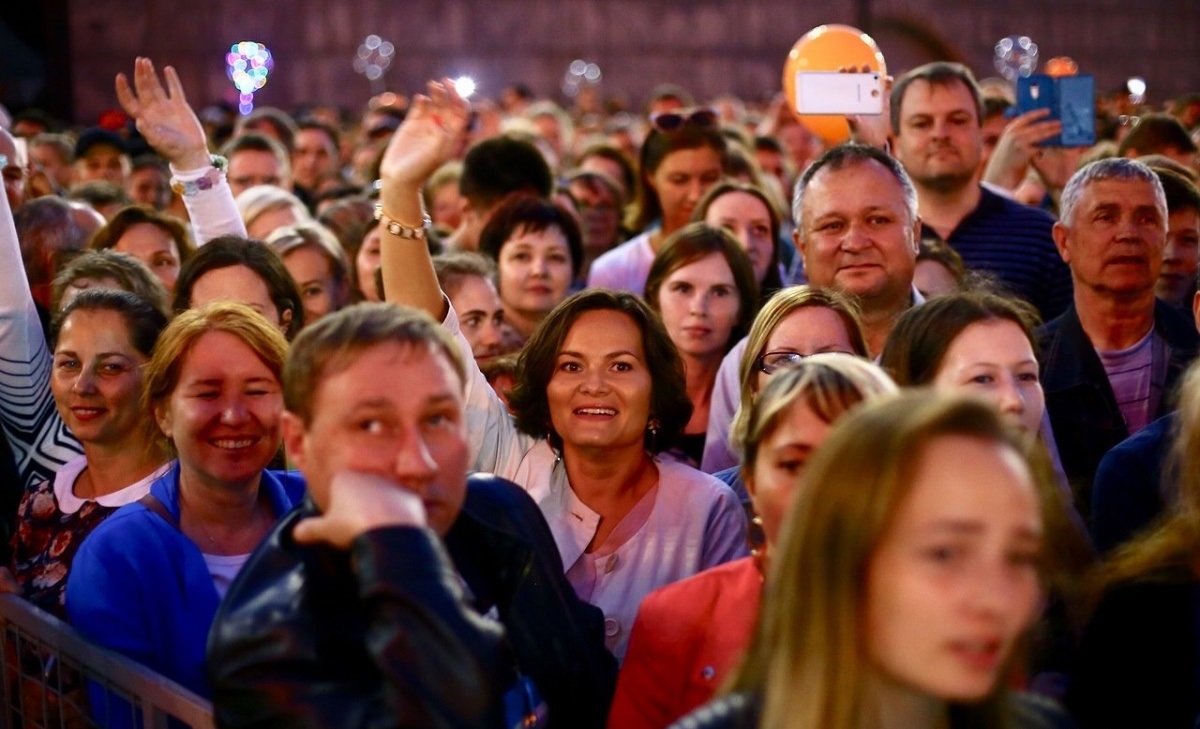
pixel 703 286
pixel 680 160
pixel 796 322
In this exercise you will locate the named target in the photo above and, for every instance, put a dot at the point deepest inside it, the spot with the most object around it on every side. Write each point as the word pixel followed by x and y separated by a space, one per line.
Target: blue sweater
pixel 140 587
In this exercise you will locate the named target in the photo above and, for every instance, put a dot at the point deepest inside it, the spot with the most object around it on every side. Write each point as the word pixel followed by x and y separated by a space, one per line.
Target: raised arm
pixel 172 128
pixel 427 138
pixel 40 443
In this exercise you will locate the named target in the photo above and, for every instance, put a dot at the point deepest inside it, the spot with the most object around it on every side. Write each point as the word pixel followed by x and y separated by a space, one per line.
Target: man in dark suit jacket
pixel 1111 361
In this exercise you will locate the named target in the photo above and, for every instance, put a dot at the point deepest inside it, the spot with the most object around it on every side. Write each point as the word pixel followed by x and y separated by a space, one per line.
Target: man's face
pixel 102 162
pixel 1114 239
pixel 251 167
pixel 414 436
pixel 939 142
pixel 13 172
pixel 857 234
pixel 314 158
pixel 46 159
pixel 1178 274
pixel 993 128
pixel 150 186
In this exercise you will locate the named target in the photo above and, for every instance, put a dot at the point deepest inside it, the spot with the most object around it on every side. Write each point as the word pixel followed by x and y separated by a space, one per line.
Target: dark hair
pixel 995 106
pixel 256 142
pixel 130 274
pixel 320 126
pixel 670 91
pixel 918 342
pixel 844 155
pixel 938 73
pixel 669 402
pixel 940 252
pixel 99 193
pixel 693 242
pixel 350 219
pixel 655 149
pixel 143 320
pixel 284 125
pixel 526 213
pixel 772 281
pixel 109 235
pixel 1181 192
pixel 613 153
pixel 233 250
pixel 1156 133
pixel 500 166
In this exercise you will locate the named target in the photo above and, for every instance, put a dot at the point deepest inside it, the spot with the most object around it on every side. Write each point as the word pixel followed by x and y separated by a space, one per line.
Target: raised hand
pixel 163 115
pixel 427 138
pixel 872 129
pixel 1017 147
pixel 359 502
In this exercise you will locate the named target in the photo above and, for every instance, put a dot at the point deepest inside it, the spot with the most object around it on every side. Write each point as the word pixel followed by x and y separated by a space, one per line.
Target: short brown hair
pixel 328 344
pixel 130 274
pixel 161 375
pixel 693 242
pixel 938 73
pixel 669 402
pixel 109 235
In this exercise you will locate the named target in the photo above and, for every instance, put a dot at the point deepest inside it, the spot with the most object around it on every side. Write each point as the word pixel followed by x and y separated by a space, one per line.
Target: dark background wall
pixel 709 46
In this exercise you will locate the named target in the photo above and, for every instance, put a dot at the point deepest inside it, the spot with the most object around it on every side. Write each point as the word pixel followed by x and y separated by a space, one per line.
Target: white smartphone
pixel 831 92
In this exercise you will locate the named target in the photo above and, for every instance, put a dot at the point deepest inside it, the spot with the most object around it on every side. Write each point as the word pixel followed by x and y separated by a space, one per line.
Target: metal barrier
pixel 54 678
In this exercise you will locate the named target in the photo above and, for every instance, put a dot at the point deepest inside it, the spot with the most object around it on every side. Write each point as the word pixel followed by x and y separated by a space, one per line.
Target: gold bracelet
pixel 401 230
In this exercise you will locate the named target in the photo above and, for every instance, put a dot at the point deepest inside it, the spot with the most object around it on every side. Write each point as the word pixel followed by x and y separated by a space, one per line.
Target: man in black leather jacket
pixel 353 612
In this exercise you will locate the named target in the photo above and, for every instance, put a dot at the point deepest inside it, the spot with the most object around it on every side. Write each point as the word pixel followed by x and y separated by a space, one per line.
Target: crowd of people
pixel 510 414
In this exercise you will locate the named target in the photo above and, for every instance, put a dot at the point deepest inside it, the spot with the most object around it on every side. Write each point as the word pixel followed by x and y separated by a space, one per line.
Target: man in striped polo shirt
pixel 936 113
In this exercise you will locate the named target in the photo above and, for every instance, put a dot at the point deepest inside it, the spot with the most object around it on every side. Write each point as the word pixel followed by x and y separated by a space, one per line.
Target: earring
pixel 653 425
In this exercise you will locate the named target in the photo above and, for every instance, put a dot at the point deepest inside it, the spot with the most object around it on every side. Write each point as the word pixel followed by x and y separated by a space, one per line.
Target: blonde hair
pixel 830 384
pixel 260 199
pixel 778 308
pixel 808 657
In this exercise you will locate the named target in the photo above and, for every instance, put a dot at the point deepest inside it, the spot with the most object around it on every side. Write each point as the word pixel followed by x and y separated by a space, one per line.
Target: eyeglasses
pixel 770 362
pixel 672 121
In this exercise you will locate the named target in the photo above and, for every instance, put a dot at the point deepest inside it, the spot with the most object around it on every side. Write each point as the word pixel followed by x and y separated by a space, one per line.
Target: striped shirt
pixel 1131 375
pixel 1013 242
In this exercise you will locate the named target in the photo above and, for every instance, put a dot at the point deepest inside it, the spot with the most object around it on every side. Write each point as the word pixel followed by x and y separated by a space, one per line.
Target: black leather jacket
pixel 381 637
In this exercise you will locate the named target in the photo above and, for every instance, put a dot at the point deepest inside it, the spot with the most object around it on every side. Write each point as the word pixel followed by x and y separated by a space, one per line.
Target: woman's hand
pixel 163 115
pixel 358 503
pixel 1017 147
pixel 427 138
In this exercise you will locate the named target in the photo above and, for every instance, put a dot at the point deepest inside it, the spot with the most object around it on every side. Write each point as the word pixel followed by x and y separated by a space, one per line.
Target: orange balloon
pixel 829 48
pixel 1061 66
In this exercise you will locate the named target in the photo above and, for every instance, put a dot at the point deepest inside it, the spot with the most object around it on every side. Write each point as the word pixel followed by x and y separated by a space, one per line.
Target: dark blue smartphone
pixel 1070 99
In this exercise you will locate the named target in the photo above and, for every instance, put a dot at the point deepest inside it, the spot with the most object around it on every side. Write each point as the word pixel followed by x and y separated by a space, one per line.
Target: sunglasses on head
pixel 672 121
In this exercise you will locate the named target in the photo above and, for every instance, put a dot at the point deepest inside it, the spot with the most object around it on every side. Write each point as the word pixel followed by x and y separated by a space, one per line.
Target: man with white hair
pixel 1110 362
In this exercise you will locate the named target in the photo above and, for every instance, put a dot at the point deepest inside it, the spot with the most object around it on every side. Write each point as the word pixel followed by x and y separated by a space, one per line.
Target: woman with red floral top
pixel 103 339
